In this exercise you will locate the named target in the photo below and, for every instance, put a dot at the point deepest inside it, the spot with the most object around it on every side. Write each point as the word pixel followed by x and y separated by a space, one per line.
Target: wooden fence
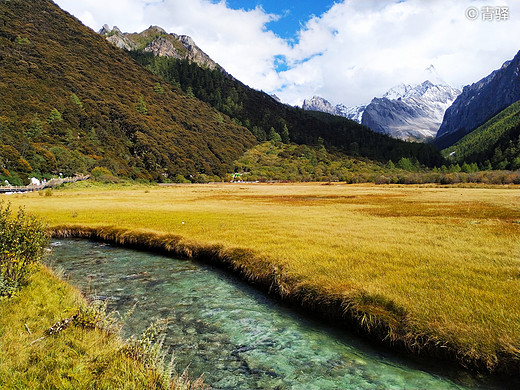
pixel 38 187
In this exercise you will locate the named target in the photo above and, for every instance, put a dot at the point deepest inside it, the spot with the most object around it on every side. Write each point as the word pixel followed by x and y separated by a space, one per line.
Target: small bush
pixel 149 350
pixel 94 315
pixel 146 349
pixel 103 175
pixel 180 179
pixel 22 240
pixel 13 180
pixel 54 116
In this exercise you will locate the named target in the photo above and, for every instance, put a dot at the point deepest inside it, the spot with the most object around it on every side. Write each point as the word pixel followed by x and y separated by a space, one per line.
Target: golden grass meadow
pixel 434 269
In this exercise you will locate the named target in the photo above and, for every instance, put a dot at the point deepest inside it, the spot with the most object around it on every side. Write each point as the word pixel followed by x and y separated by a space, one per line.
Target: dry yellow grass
pixel 440 265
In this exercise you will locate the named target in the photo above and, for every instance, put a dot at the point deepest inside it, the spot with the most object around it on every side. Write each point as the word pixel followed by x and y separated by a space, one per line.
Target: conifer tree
pixel 141 106
pixel 274 136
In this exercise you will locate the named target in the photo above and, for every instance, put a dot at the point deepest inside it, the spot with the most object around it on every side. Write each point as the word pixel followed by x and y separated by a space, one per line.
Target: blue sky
pixel 347 51
pixel 292 14
pixel 289 18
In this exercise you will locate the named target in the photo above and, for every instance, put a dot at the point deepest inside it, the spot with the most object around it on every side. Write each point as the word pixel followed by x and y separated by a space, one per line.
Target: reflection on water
pixel 236 336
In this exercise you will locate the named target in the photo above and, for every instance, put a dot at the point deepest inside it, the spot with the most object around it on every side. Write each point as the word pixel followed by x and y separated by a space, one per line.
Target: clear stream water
pixel 236 336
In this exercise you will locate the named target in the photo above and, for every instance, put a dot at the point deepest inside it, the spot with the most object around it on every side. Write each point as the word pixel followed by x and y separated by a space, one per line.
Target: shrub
pixel 95 315
pixel 274 136
pixel 74 99
pixel 54 116
pixel 13 180
pixel 405 164
pixel 180 179
pixel 103 175
pixel 157 87
pixel 22 241
pixel 141 106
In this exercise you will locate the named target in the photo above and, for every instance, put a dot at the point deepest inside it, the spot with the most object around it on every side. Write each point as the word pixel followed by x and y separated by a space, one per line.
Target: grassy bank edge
pixel 374 317
pixel 77 356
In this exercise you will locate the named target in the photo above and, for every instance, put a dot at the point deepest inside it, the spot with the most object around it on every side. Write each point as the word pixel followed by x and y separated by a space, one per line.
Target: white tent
pixel 35 181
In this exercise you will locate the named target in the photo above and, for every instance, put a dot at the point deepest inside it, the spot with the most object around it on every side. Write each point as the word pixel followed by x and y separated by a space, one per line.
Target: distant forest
pixel 494 145
pixel 266 118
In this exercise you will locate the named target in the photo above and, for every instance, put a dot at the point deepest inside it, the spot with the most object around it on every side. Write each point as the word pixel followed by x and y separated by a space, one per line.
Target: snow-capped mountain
pixel 318 103
pixel 354 112
pixel 410 112
pixel 399 91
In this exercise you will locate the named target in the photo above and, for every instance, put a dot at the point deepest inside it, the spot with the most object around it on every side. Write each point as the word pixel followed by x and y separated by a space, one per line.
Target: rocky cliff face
pixel 479 102
pixel 318 103
pixel 157 41
pixel 410 112
pixel 405 111
pixel 117 38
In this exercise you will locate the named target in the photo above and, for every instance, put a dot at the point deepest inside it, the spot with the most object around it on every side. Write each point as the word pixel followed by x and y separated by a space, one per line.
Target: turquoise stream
pixel 236 336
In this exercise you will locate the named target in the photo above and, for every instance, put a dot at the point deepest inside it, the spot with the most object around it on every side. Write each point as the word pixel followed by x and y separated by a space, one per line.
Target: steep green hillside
pixel 263 115
pixel 495 144
pixel 70 101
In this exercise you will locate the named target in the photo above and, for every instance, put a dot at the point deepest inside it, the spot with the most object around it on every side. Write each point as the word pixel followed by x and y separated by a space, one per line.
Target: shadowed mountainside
pixel 494 145
pixel 479 102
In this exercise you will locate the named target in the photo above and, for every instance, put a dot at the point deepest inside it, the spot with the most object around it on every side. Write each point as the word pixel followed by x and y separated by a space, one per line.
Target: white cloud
pixel 358 49
pixel 236 39
pixel 95 13
pixel 369 46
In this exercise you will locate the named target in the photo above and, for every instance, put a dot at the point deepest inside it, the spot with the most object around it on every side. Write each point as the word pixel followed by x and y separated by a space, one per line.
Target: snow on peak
pixel 399 91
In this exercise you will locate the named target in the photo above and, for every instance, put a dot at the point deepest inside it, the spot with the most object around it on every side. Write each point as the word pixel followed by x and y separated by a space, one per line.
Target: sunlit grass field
pixel 446 260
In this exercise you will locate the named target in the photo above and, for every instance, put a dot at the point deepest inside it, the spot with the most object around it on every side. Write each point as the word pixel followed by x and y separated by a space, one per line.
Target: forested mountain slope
pixel 264 116
pixel 70 101
pixel 495 144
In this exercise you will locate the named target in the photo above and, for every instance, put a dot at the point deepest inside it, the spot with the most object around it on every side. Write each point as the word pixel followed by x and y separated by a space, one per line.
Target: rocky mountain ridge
pixel 157 41
pixel 410 112
pixel 479 102
pixel 317 103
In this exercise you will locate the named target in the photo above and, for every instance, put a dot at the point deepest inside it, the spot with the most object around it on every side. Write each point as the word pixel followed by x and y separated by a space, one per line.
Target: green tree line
pixel 494 145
